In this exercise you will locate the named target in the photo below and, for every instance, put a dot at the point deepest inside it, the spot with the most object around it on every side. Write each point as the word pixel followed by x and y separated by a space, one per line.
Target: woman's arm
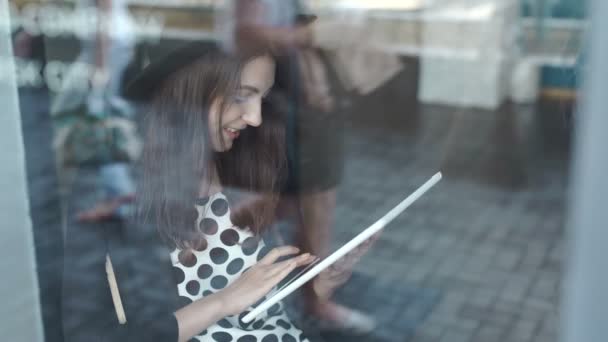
pixel 198 316
pixel 241 294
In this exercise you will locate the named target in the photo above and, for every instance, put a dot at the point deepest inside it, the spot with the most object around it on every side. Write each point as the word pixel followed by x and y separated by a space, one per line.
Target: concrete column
pixel 585 301
pixel 20 310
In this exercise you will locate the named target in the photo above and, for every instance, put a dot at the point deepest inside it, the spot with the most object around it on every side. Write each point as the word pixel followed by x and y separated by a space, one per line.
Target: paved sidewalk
pixel 488 237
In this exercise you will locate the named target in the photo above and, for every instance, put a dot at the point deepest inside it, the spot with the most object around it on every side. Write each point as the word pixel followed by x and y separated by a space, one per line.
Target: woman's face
pixel 243 108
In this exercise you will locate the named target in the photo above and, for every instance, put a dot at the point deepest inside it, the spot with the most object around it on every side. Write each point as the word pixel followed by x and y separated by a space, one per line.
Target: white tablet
pixel 321 265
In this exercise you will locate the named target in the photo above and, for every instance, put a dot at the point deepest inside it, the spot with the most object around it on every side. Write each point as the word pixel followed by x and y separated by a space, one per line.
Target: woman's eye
pixel 240 98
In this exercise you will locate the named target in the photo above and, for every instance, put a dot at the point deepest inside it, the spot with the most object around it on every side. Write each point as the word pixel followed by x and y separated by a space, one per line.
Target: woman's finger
pixel 336 273
pixel 276 253
pixel 297 261
pixel 304 259
pixel 372 239
pixel 277 268
pixel 282 273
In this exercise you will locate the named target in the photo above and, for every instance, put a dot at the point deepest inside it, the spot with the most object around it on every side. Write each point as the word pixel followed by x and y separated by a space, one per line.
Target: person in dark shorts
pixel 306 89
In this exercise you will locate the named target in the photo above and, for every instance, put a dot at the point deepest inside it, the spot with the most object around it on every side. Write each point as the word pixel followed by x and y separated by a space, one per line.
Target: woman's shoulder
pixel 204 201
pixel 213 208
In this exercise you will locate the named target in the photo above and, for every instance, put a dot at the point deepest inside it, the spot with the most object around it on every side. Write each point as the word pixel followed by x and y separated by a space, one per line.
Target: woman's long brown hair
pixel 177 152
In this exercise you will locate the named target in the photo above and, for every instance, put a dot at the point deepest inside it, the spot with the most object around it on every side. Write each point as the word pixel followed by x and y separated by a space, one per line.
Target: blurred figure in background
pixel 96 141
pixel 108 53
pixel 307 90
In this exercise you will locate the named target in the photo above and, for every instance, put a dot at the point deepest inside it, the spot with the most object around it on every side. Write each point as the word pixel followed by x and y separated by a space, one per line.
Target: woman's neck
pixel 211 185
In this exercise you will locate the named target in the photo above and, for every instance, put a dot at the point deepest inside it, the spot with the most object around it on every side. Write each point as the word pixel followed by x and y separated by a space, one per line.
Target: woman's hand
pixel 260 279
pixel 241 294
pixel 337 274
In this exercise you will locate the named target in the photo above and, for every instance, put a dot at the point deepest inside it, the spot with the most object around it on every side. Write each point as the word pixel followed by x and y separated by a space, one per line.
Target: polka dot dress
pixel 228 252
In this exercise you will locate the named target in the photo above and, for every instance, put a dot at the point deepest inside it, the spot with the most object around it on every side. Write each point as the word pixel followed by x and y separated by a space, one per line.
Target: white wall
pixel 20 318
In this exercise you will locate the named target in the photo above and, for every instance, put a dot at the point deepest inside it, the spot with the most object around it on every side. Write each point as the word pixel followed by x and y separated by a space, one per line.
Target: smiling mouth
pixel 232 133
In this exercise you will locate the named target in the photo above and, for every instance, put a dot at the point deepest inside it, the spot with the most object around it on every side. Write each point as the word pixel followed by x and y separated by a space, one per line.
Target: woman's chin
pixel 225 147
pixel 222 146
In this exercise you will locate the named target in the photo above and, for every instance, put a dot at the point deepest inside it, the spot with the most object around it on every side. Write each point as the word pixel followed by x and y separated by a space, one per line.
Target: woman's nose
pixel 253 115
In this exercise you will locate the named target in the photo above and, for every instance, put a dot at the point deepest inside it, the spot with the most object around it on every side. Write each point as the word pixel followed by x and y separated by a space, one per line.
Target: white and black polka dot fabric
pixel 228 252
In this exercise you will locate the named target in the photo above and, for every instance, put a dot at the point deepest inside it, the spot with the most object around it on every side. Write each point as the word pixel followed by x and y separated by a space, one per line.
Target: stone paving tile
pixel 496 254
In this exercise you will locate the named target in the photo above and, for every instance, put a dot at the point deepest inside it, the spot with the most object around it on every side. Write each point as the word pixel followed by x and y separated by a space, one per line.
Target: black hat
pixel 159 61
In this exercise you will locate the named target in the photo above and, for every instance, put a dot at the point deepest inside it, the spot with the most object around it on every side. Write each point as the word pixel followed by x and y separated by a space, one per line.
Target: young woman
pixel 205 131
pixel 207 128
